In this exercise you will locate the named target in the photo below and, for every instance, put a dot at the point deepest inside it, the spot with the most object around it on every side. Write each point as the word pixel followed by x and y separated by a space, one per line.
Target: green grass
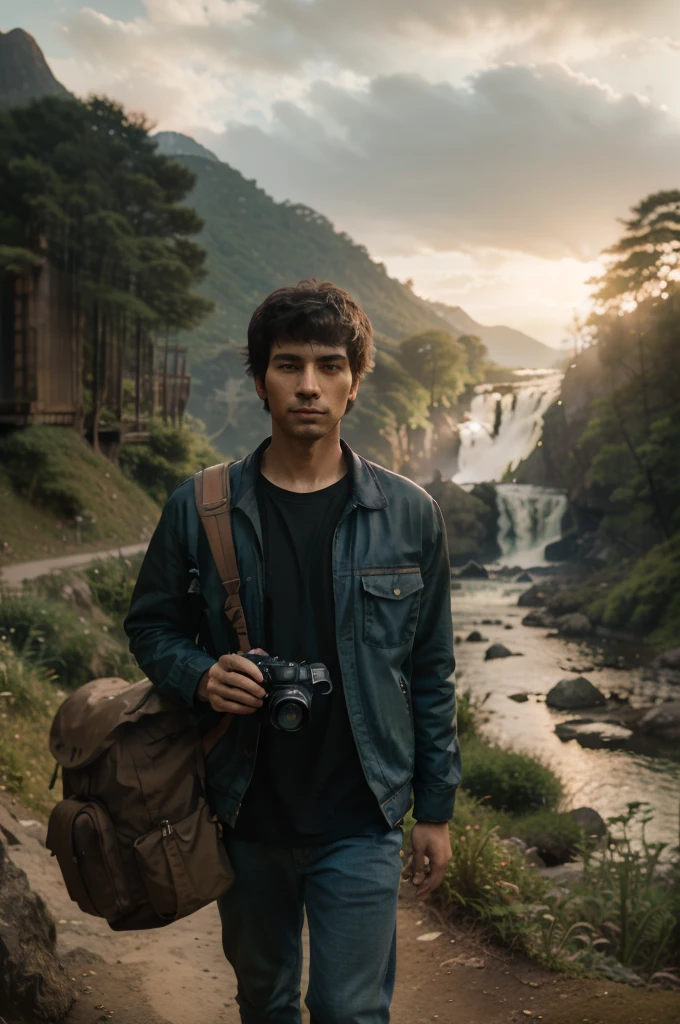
pixel 508 780
pixel 49 476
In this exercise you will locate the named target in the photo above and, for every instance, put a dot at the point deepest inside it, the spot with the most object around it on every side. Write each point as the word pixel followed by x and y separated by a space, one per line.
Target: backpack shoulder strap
pixel 213 498
pixel 213 502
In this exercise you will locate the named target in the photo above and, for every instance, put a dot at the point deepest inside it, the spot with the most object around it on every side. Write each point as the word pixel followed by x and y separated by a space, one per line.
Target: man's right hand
pixel 232 684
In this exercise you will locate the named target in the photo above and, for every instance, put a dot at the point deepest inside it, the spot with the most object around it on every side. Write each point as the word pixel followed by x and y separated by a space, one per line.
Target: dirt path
pixel 178 975
pixel 12 575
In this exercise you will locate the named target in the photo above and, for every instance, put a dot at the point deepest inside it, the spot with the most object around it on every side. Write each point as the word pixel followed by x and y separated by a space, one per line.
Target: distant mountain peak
pixel 506 346
pixel 24 73
pixel 177 144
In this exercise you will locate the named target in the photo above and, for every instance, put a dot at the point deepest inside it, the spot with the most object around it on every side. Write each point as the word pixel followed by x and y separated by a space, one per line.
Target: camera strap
pixel 213 498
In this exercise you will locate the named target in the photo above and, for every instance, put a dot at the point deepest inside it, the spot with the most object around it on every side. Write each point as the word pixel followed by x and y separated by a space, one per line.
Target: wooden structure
pixel 40 350
pixel 46 370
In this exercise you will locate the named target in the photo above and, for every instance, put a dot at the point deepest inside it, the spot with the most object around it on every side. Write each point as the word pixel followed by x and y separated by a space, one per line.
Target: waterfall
pixel 504 425
pixel 529 518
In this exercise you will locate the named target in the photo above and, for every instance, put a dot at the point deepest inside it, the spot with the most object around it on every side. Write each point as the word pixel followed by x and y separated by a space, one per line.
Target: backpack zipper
pixel 166 829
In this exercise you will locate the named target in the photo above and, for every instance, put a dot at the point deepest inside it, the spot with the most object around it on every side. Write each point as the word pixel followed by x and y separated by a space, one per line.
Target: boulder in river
pixel 534 597
pixel 665 667
pixel 576 692
pixel 473 571
pixel 662 721
pixel 574 625
pixel 592 823
pixel 524 577
pixel 519 698
pixel 475 637
pixel 497 651
pixel 33 984
pixel 539 617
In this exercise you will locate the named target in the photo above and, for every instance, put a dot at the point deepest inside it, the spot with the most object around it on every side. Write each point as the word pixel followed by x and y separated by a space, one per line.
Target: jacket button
pixel 396 591
pixel 247 579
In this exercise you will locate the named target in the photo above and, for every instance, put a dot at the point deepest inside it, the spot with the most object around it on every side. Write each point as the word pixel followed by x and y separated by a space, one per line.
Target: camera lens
pixel 289 711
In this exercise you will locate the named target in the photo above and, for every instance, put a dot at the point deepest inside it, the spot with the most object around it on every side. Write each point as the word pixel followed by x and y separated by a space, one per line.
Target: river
pixel 605 779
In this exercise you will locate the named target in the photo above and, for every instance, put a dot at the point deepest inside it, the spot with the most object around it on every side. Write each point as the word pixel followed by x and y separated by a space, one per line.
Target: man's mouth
pixel 308 412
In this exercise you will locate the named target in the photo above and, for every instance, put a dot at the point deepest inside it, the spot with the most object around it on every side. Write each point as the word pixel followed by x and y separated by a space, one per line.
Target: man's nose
pixel 309 382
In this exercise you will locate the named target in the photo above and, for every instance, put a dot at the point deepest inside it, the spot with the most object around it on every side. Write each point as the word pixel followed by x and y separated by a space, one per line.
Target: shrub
pixel 171 455
pixel 53 636
pixel 112 581
pixel 485 880
pixel 556 836
pixel 510 781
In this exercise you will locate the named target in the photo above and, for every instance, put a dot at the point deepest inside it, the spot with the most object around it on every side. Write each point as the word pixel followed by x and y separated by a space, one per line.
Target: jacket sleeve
pixel 163 622
pixel 437 768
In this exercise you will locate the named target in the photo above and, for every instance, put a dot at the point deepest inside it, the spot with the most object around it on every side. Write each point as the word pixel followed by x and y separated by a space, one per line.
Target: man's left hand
pixel 431 846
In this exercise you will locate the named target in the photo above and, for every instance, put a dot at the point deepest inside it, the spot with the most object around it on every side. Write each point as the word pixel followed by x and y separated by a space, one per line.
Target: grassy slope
pixel 124 513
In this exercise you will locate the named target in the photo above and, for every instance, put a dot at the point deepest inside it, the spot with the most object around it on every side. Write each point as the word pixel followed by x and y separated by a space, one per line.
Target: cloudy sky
pixel 483 148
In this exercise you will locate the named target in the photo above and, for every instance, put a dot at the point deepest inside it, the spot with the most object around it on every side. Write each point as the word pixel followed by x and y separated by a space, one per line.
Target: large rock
pixel 665 667
pixel 497 651
pixel 575 625
pixel 539 617
pixel 33 984
pixel 473 571
pixel 592 823
pixel 475 637
pixel 663 721
pixel 534 597
pixel 524 577
pixel 574 692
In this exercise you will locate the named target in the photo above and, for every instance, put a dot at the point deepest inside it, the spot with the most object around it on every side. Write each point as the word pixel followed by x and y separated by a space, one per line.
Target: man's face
pixel 308 385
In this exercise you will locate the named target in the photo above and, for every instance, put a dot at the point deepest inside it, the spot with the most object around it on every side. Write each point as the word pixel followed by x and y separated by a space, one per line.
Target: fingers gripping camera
pixel 290 688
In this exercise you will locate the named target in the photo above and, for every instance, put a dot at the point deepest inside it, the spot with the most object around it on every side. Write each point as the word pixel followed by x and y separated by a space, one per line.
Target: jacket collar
pixel 366 490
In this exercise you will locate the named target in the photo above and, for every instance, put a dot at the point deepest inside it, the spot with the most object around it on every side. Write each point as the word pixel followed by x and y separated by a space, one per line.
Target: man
pixel 341 562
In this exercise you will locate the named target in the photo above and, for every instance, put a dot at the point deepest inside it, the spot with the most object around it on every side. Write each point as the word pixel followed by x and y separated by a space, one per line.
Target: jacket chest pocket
pixel 391 603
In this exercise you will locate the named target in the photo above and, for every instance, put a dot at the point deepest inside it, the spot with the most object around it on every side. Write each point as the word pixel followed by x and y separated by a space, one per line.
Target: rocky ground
pixel 178 975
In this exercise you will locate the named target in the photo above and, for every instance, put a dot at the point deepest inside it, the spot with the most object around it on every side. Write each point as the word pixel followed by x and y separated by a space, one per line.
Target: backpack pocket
pixel 81 836
pixel 184 865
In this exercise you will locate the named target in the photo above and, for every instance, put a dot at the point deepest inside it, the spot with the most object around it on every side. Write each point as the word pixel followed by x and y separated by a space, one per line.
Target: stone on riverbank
pixel 534 597
pixel 33 985
pixel 475 637
pixel 575 625
pixel 578 692
pixel 539 617
pixel 473 571
pixel 665 667
pixel 497 651
pixel 592 823
pixel 519 698
pixel 663 721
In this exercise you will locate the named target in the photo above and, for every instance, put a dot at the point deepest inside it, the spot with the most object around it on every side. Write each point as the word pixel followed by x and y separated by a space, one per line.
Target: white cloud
pixel 537 159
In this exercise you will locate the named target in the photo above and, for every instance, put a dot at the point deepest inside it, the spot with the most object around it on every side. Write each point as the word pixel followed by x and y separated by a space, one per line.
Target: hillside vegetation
pixel 59 497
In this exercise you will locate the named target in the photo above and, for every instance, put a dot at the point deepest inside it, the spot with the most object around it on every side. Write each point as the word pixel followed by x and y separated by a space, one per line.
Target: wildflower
pixel 462 839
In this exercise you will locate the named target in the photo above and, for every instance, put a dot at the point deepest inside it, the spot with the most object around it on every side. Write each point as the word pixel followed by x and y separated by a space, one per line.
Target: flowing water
pixel 529 518
pixel 504 424
pixel 606 779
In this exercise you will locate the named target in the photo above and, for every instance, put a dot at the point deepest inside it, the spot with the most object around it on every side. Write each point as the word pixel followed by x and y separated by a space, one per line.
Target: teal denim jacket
pixel 391 585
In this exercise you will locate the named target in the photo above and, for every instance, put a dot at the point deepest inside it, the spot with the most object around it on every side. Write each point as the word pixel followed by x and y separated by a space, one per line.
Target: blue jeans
pixel 349 889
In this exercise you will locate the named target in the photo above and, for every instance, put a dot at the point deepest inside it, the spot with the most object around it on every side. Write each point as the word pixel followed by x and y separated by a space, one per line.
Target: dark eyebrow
pixel 283 357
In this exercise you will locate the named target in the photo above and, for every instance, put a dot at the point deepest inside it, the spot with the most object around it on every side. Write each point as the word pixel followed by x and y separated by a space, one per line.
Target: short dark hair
pixel 310 310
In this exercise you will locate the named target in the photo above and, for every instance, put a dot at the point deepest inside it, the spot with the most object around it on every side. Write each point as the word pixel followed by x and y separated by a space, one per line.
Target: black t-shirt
pixel 308 787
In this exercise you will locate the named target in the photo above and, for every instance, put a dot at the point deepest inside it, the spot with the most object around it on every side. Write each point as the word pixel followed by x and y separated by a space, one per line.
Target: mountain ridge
pixel 25 75
pixel 506 346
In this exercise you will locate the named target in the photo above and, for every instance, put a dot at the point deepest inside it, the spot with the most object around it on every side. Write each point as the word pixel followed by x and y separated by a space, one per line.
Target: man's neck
pixel 303 466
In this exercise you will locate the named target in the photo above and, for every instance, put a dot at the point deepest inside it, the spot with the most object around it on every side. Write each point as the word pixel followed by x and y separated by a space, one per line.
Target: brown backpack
pixel 136 841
